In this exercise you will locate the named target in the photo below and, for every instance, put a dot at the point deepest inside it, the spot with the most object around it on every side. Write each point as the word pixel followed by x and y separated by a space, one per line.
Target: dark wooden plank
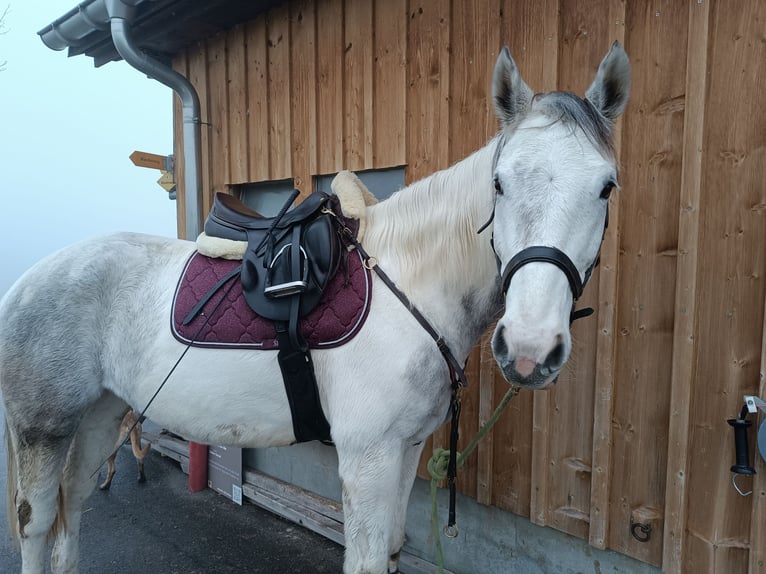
pixel 329 67
pixel 238 101
pixel 303 101
pixel 258 128
pixel 390 87
pixel 280 127
pixel 358 84
pixel 218 102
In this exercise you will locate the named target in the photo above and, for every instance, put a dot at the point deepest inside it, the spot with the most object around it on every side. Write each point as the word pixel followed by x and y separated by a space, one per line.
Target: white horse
pixel 85 332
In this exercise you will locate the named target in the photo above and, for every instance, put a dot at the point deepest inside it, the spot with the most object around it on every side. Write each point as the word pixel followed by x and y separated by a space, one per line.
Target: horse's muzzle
pixel 523 371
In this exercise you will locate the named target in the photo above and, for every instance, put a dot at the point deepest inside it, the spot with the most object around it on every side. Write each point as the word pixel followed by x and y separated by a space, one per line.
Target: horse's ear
pixel 609 90
pixel 511 94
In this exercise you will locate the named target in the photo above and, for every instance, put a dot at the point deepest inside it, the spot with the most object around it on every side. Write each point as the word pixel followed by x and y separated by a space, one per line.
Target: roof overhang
pixel 162 28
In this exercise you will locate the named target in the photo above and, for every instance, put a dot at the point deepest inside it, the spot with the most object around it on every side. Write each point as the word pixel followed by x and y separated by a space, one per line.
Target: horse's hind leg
pixel 35 465
pixel 92 444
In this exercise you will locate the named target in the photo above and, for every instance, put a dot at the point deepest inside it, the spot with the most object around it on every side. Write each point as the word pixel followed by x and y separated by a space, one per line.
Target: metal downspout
pixel 120 15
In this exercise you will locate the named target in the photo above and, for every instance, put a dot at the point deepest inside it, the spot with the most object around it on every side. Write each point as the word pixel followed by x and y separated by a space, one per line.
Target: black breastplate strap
pixel 543 254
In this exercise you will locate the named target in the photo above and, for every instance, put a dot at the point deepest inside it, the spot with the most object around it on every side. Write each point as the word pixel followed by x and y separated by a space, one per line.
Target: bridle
pixel 543 254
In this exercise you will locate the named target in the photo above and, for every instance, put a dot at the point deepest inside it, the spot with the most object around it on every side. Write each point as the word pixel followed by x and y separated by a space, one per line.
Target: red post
pixel 197 467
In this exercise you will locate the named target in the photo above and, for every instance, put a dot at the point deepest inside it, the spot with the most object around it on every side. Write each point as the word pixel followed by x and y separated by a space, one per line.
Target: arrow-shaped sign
pixel 150 160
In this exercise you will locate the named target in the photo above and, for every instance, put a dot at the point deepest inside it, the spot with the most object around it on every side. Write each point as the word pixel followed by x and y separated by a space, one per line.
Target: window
pixel 265 197
pixel 381 182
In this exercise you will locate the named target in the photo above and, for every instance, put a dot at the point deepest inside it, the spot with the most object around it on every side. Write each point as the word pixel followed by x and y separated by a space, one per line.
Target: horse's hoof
pixel 141 478
pixel 105 486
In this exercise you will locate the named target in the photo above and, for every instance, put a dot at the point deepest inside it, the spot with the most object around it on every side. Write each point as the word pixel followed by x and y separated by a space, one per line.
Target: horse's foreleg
pixel 371 491
pixel 93 443
pixel 409 470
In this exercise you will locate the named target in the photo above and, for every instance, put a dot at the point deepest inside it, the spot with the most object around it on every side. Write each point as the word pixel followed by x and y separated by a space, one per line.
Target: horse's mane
pixel 431 226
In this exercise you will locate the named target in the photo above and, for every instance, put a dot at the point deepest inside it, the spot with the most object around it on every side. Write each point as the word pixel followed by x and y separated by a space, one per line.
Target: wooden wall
pixel 636 428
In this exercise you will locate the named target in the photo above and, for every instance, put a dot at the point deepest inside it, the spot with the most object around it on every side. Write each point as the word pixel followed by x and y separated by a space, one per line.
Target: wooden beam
pixel 605 342
pixel 684 327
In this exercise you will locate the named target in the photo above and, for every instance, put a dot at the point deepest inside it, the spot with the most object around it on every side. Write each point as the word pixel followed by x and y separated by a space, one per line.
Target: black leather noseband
pixel 541 253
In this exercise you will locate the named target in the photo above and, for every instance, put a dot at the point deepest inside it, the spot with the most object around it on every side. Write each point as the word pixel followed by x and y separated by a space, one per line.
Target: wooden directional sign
pixel 150 160
pixel 167 181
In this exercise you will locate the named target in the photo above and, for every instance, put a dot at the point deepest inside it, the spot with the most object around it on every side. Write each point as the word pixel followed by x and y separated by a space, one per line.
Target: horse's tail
pixel 10 456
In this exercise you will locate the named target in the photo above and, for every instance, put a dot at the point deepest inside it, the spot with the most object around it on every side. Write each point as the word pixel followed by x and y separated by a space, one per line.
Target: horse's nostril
pixel 499 346
pixel 556 357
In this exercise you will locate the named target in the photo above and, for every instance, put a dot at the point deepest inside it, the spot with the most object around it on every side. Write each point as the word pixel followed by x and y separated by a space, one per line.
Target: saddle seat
pixel 231 219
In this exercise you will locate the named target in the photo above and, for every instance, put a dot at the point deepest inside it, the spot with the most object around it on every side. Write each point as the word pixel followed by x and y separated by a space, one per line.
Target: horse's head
pixel 554 169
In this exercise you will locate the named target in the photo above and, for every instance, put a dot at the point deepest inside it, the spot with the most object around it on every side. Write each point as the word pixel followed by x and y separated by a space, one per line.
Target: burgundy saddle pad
pixel 338 317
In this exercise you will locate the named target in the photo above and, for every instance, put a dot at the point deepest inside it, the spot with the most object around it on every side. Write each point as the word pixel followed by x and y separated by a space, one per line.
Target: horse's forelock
pixel 572 110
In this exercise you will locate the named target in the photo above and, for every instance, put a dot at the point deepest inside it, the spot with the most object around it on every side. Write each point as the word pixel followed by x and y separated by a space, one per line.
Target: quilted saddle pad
pixel 232 324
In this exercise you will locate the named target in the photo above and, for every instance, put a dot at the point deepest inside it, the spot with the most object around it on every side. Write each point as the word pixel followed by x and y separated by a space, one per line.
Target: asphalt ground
pixel 162 528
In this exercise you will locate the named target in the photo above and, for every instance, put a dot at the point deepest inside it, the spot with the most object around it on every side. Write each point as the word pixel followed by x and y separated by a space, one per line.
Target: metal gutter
pixel 116 16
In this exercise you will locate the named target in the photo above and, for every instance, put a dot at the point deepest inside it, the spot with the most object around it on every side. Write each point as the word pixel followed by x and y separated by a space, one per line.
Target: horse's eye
pixel 498 187
pixel 607 190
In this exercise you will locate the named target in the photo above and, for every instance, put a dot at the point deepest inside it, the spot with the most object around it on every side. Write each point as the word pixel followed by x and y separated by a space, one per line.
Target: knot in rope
pixel 439 463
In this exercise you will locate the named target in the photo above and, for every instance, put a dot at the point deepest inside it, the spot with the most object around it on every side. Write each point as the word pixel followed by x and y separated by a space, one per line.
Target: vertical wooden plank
pixel 303 95
pixel 278 49
pixel 198 76
pixel 757 557
pixel 684 327
pixel 390 90
pixel 605 339
pixel 330 47
pixel 218 98
pixel 180 65
pixel 486 448
pixel 358 84
pixel 731 266
pixel 258 127
pixel 648 262
pixel 238 102
pixel 427 112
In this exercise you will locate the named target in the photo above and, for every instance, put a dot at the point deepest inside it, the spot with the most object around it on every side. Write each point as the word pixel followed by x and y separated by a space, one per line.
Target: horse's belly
pixel 227 397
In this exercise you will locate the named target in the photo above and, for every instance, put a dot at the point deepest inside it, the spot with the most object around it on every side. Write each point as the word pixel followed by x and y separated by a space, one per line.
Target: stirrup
pixel 287 288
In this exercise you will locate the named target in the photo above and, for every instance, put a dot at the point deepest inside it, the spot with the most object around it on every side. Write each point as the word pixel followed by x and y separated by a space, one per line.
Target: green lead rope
pixel 438 464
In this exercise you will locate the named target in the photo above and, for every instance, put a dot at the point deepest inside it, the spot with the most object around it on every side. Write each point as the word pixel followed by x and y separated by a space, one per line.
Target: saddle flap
pixel 299 264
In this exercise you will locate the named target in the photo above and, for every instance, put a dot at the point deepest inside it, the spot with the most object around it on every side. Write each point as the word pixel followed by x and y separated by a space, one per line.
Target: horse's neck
pixel 425 237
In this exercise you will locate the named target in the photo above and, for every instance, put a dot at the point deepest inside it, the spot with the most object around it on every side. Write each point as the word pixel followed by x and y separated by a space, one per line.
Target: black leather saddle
pixel 290 258
pixel 289 261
